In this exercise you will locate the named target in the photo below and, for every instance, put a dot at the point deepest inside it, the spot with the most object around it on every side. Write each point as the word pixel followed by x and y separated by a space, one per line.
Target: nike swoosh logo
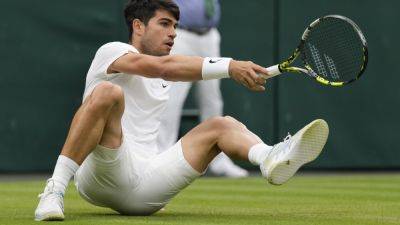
pixel 164 85
pixel 214 61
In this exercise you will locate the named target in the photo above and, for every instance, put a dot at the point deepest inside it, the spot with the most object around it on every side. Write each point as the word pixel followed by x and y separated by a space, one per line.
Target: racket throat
pixel 277 69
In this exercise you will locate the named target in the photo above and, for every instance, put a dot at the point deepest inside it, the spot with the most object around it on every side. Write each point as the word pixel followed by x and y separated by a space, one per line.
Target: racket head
pixel 333 50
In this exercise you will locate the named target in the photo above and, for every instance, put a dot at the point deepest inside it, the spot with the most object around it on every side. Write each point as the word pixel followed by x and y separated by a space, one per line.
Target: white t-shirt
pixel 145 98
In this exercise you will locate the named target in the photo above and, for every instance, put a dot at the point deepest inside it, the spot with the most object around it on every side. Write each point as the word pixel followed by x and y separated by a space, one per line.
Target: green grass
pixel 308 199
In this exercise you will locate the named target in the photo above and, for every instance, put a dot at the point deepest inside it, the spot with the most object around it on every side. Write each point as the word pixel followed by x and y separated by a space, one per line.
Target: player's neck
pixel 137 46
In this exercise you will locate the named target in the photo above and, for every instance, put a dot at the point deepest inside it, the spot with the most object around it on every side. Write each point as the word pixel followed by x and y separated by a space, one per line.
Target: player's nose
pixel 172 33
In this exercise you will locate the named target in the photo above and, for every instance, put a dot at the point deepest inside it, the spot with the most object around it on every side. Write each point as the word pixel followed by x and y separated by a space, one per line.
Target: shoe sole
pixel 50 217
pixel 309 145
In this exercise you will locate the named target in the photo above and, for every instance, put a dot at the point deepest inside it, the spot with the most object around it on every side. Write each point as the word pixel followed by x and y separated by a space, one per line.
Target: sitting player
pixel 111 145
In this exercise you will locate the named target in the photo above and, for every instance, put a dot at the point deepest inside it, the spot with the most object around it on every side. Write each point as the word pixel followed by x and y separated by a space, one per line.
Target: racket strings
pixel 334 50
pixel 347 48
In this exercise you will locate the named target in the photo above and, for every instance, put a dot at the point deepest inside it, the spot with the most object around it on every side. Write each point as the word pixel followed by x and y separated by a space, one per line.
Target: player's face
pixel 159 34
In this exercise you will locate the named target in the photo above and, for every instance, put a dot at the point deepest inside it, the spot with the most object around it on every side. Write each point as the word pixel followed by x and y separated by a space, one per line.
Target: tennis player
pixel 111 145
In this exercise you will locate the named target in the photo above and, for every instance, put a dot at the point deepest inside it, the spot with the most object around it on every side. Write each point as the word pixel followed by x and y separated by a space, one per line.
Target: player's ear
pixel 138 27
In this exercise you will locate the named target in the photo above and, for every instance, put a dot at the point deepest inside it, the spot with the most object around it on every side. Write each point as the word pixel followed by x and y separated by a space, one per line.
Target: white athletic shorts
pixel 129 183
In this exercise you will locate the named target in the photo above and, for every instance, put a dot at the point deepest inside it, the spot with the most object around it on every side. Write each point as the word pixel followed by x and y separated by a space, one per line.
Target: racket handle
pixel 273 71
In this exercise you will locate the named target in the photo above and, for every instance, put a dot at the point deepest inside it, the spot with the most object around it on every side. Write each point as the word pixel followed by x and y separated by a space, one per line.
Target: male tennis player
pixel 111 146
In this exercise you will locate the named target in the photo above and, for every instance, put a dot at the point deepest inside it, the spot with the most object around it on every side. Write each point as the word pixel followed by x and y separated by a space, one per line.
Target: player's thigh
pixel 164 177
pixel 112 133
pixel 106 101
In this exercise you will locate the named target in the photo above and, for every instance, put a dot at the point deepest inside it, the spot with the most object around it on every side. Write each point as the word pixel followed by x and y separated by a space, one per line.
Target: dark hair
pixel 144 10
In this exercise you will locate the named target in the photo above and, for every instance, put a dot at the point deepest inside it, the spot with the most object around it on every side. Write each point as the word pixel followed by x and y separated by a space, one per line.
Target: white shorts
pixel 132 184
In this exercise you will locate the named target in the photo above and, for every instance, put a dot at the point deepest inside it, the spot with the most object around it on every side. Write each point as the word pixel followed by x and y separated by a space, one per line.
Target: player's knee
pixel 237 122
pixel 105 95
pixel 230 118
pixel 116 94
pixel 222 124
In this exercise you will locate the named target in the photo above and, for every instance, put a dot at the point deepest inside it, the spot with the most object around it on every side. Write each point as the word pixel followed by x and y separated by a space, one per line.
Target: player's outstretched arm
pixel 190 68
pixel 173 68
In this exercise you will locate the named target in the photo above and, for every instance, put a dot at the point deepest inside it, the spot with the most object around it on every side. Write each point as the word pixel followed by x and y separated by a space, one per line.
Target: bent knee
pixel 231 118
pixel 106 94
pixel 226 123
pixel 236 121
pixel 108 91
pixel 223 123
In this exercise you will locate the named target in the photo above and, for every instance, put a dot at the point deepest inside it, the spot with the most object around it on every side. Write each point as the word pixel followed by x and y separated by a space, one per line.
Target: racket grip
pixel 273 71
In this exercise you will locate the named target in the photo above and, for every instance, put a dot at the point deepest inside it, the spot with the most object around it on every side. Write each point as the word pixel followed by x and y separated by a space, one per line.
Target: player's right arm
pixel 185 68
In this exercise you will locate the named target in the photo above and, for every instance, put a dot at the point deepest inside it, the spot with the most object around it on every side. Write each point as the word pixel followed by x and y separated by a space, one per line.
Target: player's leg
pixel 168 173
pixel 277 163
pixel 160 178
pixel 205 141
pixel 174 169
pixel 96 121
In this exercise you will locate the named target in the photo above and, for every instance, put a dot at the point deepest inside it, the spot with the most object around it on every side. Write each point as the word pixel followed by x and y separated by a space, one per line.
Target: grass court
pixel 320 199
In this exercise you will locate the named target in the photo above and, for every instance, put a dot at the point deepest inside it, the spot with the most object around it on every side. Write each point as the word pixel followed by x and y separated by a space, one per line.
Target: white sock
pixel 258 153
pixel 64 170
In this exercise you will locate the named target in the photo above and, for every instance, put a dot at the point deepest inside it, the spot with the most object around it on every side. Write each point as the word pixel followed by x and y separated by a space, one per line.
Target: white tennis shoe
pixel 288 156
pixel 51 204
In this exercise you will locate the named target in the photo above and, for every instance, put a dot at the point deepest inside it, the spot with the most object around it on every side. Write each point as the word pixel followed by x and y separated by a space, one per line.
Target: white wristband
pixel 215 68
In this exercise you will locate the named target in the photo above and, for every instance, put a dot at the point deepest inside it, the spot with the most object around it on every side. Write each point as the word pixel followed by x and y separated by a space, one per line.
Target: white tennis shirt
pixel 145 98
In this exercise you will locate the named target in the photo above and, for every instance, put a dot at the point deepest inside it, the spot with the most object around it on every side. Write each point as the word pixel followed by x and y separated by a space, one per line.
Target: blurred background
pixel 46 48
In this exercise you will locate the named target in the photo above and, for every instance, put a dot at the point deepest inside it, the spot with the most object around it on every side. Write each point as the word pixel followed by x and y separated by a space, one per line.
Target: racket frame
pixel 285 66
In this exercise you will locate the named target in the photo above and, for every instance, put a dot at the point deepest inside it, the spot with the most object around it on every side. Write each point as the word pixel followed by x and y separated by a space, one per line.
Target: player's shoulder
pixel 116 45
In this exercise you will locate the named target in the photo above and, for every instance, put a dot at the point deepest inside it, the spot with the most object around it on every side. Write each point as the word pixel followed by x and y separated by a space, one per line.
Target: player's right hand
pixel 246 73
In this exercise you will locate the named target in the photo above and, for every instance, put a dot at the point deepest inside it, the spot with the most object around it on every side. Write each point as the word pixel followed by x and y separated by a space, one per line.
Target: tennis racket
pixel 333 51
